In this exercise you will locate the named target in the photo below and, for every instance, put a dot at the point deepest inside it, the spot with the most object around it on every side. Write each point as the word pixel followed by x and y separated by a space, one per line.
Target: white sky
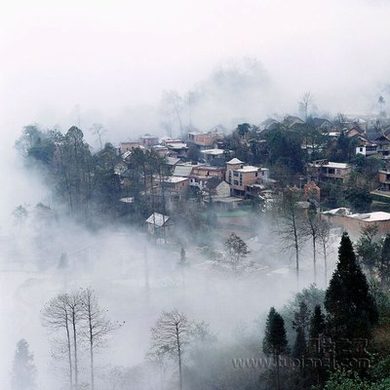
pixel 105 55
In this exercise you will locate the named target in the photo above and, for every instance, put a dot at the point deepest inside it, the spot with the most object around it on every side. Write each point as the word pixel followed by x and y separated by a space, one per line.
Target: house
pixel 148 140
pixel 161 150
pixel 240 176
pixel 202 174
pixel 171 163
pixel 211 155
pixel 268 124
pixel 222 198
pixel 323 124
pixel 159 225
pixel 354 223
pixel 384 180
pixel 184 169
pixel 383 145
pixel 177 149
pixel 324 170
pixel 367 149
pixel 292 121
pixel 175 185
pixel 202 139
pixel 354 132
pixel 128 146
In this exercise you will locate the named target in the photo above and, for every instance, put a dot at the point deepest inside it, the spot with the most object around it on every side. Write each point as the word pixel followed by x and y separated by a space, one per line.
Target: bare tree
pixel 236 250
pixel 305 104
pixel 324 235
pixel 310 228
pixel 73 303
pixel 170 336
pixel 98 327
pixel 55 316
pixel 290 228
pixel 98 130
pixel 173 106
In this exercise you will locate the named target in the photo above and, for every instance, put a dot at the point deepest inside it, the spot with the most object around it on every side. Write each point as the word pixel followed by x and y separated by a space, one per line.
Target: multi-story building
pixel 240 176
pixel 202 174
pixel 384 179
pixel 203 140
pixel 324 170
pixel 128 146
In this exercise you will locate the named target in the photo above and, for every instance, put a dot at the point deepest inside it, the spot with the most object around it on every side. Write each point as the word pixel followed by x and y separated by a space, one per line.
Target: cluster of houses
pixel 226 181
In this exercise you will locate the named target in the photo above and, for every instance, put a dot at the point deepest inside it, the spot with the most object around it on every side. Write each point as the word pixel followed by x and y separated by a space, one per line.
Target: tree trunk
pixel 69 353
pixel 91 352
pixel 76 369
pixel 179 358
pixel 314 260
pixel 325 265
pixel 297 263
pixel 277 373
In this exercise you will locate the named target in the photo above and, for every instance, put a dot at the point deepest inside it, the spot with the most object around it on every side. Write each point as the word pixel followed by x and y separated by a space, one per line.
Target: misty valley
pixel 195 195
pixel 213 260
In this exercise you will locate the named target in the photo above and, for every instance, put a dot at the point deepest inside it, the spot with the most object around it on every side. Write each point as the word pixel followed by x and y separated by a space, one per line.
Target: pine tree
pixel 275 340
pixel 317 323
pixel 317 329
pixel 302 318
pixel 351 308
pixel 299 349
pixel 23 371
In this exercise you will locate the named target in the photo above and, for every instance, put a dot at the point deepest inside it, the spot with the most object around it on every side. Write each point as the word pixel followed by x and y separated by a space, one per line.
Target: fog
pixel 114 59
pixel 110 63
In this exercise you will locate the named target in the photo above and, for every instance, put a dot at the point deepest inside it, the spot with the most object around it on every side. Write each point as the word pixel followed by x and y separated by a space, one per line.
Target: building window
pixel 235 182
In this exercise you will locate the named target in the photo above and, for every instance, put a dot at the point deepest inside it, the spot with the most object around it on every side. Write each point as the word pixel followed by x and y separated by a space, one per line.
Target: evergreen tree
pixel 317 328
pixel 275 340
pixel 299 349
pixel 351 308
pixel 317 323
pixel 23 371
pixel 302 318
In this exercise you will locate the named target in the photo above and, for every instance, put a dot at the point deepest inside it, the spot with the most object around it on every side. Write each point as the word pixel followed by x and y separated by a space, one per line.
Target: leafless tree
pixel 310 228
pixel 305 104
pixel 98 130
pixel 170 336
pixel 73 303
pixel 324 235
pixel 55 316
pixel 97 326
pixel 173 106
pixel 290 228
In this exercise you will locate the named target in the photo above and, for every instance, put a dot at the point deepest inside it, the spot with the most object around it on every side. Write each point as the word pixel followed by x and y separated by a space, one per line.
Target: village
pixel 206 166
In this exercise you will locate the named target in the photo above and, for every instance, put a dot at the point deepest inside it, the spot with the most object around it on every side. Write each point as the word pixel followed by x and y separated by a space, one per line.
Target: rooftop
pixel 247 168
pixel 176 145
pixel 182 170
pixel 329 164
pixel 375 216
pixel 157 219
pixel 174 179
pixel 213 152
pixel 235 161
